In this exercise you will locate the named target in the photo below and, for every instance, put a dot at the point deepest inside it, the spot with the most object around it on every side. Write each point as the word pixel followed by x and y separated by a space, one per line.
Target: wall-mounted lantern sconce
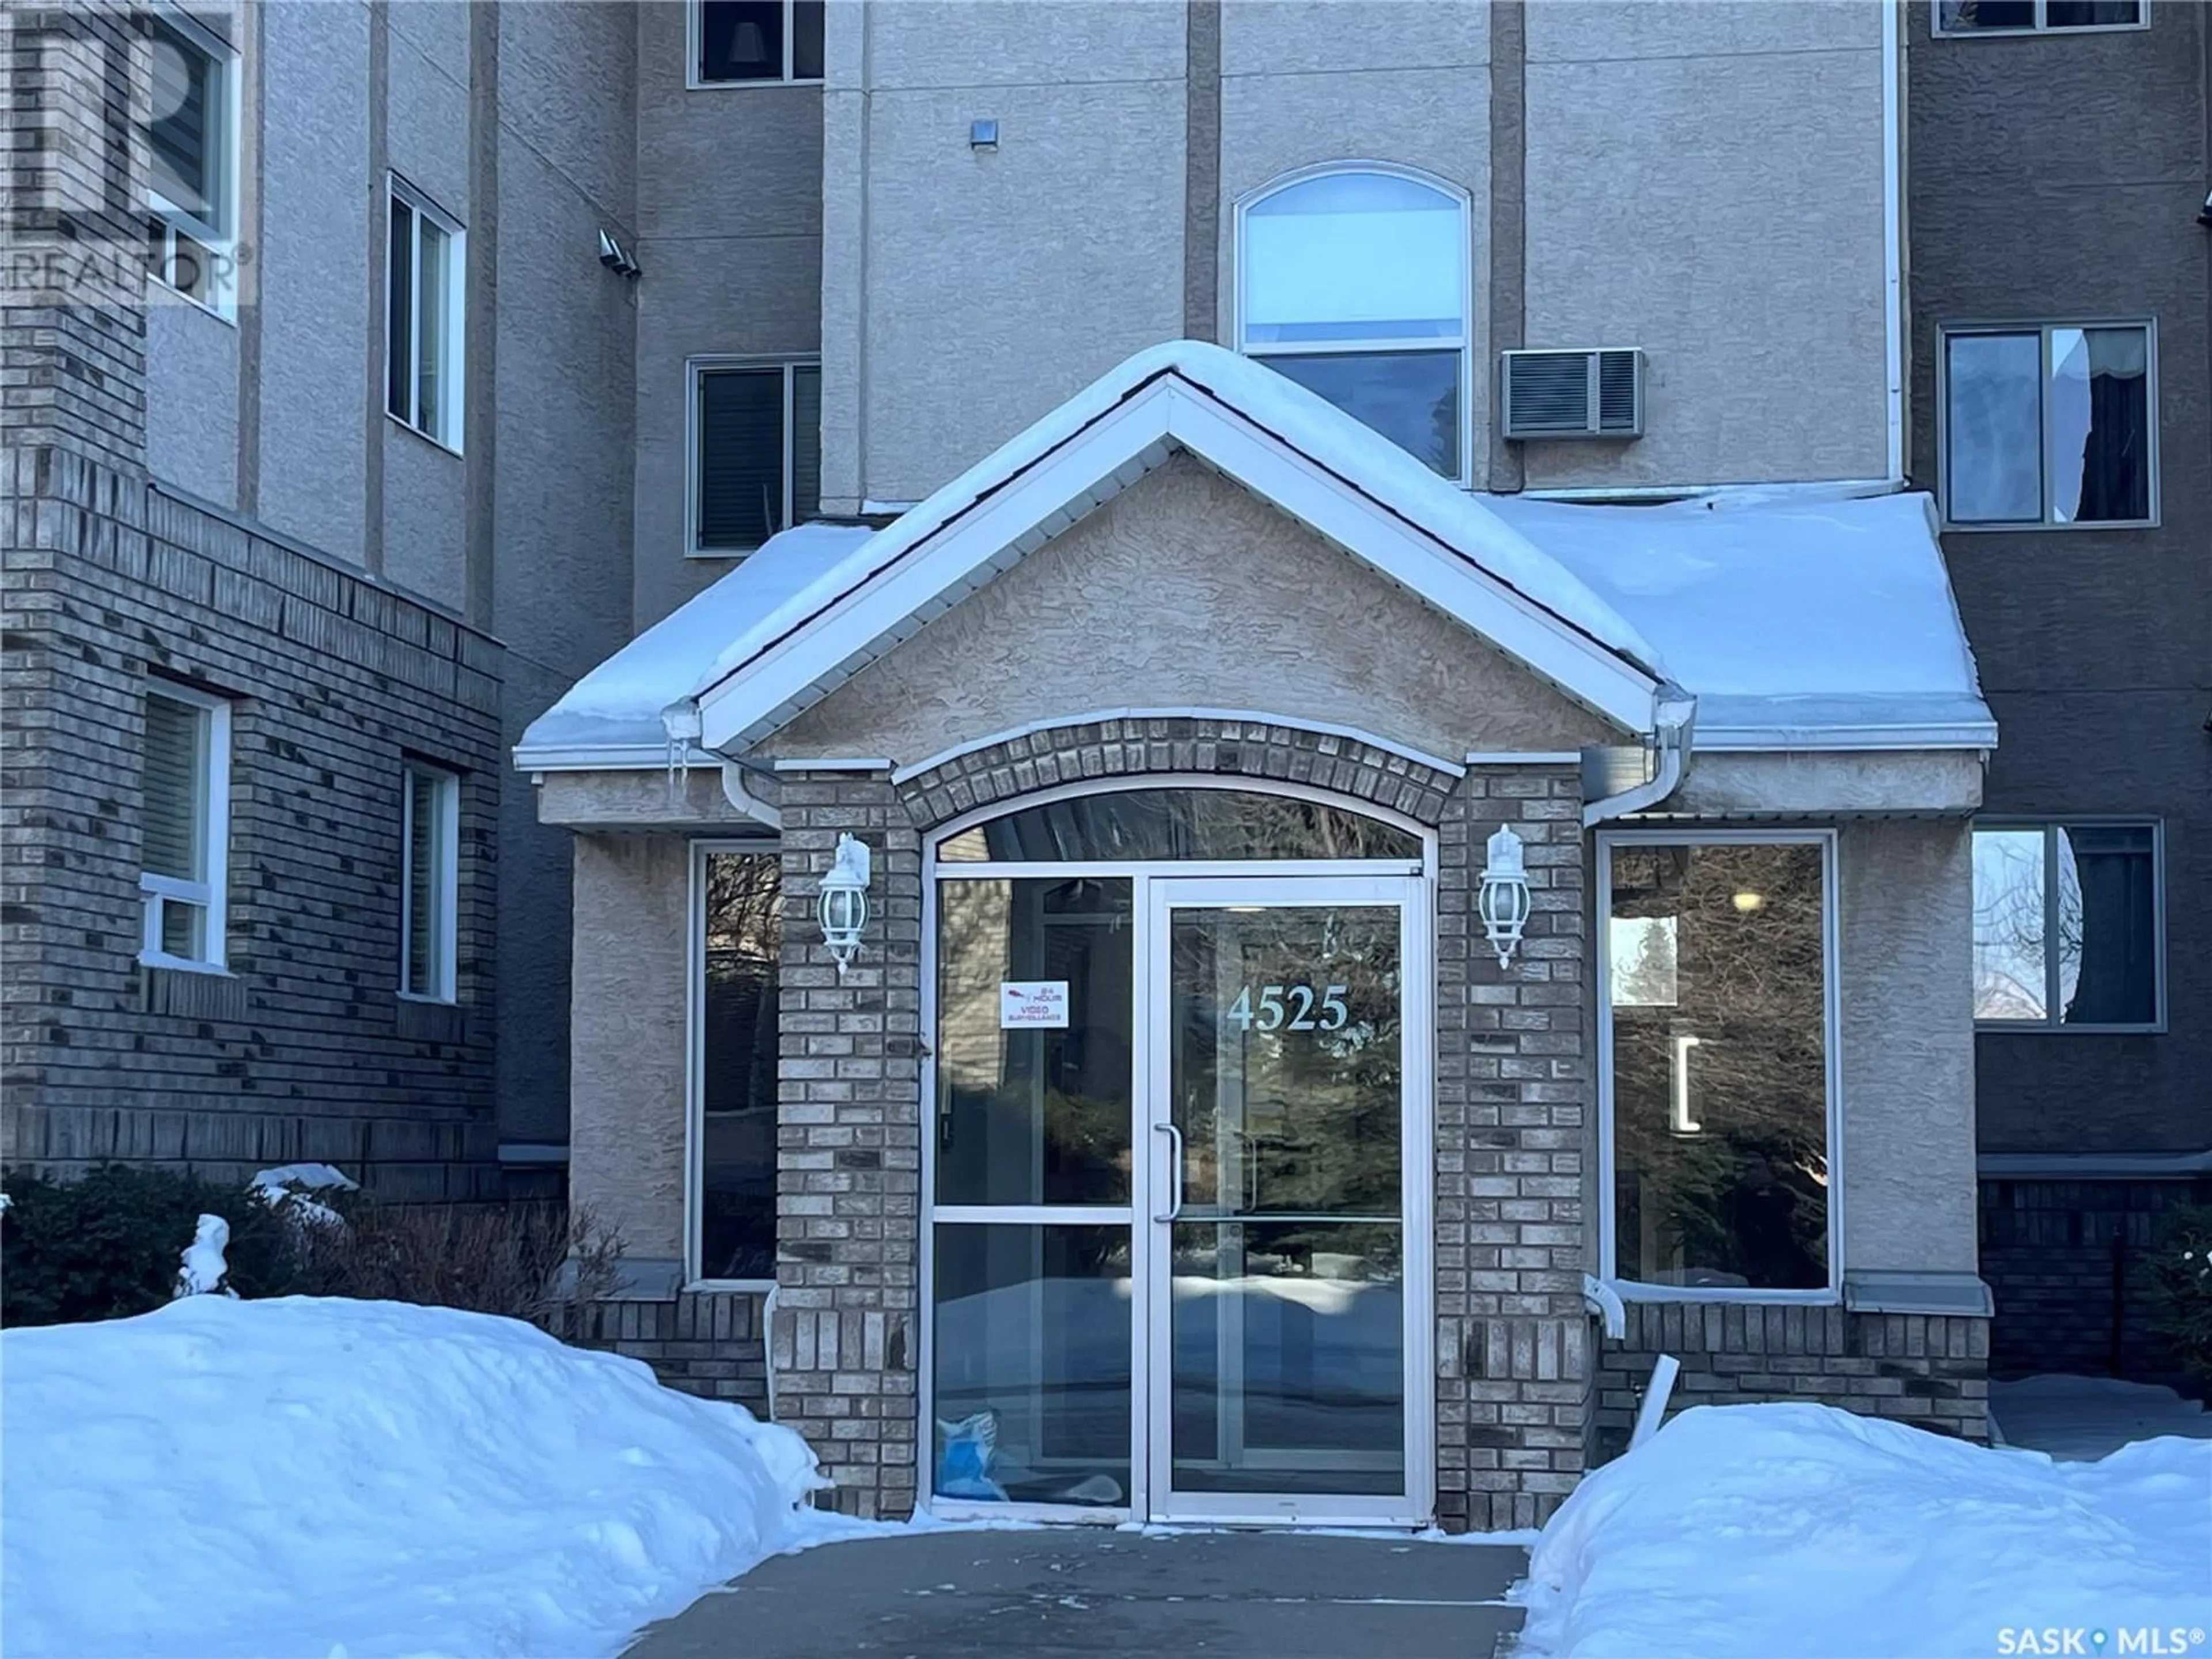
pixel 1504 900
pixel 843 904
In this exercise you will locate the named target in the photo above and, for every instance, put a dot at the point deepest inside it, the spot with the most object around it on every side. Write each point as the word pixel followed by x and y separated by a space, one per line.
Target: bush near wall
pixel 2179 1270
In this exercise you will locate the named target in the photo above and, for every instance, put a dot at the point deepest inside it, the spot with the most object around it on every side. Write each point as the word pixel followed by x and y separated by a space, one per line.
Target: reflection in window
pixel 2066 925
pixel 2048 426
pixel 1140 825
pixel 744 898
pixel 1354 284
pixel 758 40
pixel 2017 16
pixel 1719 1035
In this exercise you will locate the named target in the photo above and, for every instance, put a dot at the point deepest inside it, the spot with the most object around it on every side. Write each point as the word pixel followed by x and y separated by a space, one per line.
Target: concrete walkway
pixel 1080 1593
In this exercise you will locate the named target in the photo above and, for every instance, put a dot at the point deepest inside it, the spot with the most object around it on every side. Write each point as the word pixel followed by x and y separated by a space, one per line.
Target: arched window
pixel 1354 284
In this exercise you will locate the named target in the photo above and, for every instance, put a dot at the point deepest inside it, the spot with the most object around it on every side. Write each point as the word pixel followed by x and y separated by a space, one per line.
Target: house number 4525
pixel 1289 1008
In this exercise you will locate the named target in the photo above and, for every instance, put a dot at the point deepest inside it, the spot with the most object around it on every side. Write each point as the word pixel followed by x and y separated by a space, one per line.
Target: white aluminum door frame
pixel 1157 896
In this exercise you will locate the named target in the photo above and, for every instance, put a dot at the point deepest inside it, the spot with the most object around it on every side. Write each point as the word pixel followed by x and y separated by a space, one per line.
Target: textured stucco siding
pixel 1241 610
pixel 626 1022
pixel 1705 182
pixel 1908 1046
pixel 1820 784
pixel 2094 646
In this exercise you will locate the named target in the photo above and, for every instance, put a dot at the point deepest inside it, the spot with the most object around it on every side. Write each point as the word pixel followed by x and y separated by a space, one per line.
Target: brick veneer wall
pixel 709 1343
pixel 1921 1368
pixel 306 1050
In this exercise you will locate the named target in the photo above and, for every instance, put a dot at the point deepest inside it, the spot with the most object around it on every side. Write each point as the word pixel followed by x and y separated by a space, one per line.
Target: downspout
pixel 1674 725
pixel 1892 234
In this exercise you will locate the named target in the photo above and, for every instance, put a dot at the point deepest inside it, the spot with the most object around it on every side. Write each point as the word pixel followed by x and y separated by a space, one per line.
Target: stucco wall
pixel 1908 1046
pixel 1187 591
pixel 1715 786
pixel 626 1017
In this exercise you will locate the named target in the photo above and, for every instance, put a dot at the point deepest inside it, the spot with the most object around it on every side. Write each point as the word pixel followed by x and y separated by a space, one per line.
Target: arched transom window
pixel 1353 282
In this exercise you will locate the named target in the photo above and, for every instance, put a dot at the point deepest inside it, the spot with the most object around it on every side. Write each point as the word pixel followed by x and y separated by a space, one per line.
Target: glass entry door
pixel 1287 1288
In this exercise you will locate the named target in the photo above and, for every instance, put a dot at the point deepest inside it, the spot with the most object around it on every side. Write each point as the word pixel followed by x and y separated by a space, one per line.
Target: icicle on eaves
pixel 680 720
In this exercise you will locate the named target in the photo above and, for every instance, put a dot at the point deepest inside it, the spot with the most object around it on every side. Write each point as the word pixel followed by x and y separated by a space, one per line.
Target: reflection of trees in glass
pixel 737 1070
pixel 2065 924
pixel 1138 825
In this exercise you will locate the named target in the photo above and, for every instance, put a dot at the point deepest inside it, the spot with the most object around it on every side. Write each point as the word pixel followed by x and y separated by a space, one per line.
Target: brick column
pixel 1514 1137
pixel 845 1337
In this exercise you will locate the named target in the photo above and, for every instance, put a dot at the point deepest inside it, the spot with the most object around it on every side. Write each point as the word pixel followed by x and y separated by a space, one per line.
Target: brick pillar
pixel 1515 1138
pixel 845 1338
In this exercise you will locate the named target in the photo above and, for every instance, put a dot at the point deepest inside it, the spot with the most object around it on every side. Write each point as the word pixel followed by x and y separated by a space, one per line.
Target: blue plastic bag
pixel 963 1465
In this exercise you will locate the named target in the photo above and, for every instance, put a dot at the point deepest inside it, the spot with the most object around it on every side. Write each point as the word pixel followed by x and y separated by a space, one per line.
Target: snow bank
pixel 305 1477
pixel 1787 1531
pixel 2073 1417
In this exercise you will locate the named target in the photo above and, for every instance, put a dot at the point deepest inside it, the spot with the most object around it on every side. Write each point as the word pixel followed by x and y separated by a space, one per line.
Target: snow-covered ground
pixel 1788 1531
pixel 303 1478
pixel 2090 1415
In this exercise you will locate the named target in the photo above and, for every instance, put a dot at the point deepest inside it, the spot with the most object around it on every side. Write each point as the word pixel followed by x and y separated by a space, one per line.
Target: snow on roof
pixel 1783 616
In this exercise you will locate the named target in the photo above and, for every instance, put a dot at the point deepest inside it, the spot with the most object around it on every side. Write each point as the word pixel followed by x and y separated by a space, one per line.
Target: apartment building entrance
pixel 1176 1250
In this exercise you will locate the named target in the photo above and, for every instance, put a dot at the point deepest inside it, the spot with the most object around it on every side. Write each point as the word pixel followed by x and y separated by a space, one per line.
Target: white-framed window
pixel 739 43
pixel 1353 281
pixel 184 817
pixel 1971 17
pixel 2053 424
pixel 430 883
pixel 1719 1082
pixel 736 947
pixel 425 307
pixel 193 160
pixel 755 448
pixel 2070 925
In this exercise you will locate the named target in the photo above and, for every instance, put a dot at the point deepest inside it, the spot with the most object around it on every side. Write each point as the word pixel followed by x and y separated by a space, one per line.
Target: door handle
pixel 1175 1171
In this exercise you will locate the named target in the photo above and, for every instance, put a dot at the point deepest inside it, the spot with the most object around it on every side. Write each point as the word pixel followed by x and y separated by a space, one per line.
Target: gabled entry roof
pixel 1835 616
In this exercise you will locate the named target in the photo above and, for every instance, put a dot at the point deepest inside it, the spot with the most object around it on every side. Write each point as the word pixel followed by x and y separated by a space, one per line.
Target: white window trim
pixel 213 895
pixel 2050 1023
pixel 1945 333
pixel 1832 1047
pixel 694 1068
pixel 1240 255
pixel 696 369
pixel 415 775
pixel 454 302
pixel 692 32
pixel 2039 27
pixel 221 240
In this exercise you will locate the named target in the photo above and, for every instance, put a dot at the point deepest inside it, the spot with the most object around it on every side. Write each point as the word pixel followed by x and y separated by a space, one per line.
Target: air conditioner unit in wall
pixel 1596 392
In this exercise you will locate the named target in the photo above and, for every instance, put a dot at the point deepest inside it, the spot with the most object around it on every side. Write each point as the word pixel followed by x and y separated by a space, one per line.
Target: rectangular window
pixel 429 884
pixel 2037 16
pixel 192 132
pixel 736 42
pixel 756 450
pixel 2055 425
pixel 740 934
pixel 1718 1021
pixel 425 299
pixel 2067 926
pixel 185 819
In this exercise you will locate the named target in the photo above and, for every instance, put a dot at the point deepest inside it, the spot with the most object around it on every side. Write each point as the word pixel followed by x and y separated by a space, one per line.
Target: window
pixel 185 816
pixel 2049 426
pixel 740 934
pixel 734 42
pixel 192 141
pixel 2035 17
pixel 2067 925
pixel 756 450
pixel 1718 1024
pixel 1354 285
pixel 430 883
pixel 424 302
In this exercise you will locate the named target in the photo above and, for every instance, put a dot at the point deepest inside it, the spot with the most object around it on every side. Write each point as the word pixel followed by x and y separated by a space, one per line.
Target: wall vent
pixel 1593 393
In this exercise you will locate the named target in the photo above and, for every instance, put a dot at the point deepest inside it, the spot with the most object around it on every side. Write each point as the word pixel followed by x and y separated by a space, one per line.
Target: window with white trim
pixel 185 821
pixel 2038 16
pixel 425 300
pixel 1355 283
pixel 736 42
pixel 755 450
pixel 192 141
pixel 1719 1031
pixel 2068 926
pixel 2050 425
pixel 739 928
pixel 430 883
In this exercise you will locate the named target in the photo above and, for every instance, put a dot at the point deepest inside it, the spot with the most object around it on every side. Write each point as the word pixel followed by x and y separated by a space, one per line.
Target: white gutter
pixel 735 792
pixel 1892 230
pixel 1675 722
